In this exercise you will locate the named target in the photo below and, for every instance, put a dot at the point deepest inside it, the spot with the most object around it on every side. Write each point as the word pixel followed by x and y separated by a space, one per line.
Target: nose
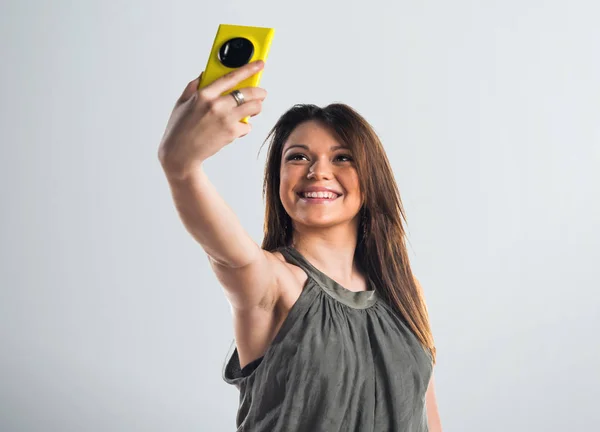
pixel 320 170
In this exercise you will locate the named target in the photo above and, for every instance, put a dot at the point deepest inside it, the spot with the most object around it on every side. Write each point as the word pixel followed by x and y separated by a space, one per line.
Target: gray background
pixel 111 319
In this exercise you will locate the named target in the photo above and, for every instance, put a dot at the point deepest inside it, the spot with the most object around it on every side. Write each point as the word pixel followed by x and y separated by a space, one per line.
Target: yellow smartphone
pixel 233 47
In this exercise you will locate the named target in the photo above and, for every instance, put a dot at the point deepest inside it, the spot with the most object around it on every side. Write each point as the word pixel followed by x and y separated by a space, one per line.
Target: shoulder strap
pixel 294 257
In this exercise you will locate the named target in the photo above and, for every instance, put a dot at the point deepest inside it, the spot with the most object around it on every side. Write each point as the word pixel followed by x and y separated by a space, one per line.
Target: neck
pixel 332 252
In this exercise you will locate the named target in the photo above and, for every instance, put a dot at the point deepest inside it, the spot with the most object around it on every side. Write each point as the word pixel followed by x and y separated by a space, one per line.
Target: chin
pixel 324 221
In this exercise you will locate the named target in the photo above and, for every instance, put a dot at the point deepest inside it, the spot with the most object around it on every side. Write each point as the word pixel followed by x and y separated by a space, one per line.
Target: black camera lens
pixel 236 52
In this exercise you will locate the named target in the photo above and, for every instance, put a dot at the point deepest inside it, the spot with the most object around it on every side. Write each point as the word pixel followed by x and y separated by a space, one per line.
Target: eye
pixel 295 157
pixel 345 157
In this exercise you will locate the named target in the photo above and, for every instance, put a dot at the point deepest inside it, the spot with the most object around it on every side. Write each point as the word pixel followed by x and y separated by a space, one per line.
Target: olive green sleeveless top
pixel 341 361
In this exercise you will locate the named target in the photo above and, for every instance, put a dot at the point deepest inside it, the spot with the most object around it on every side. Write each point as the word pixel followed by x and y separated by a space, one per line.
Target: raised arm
pixel 202 123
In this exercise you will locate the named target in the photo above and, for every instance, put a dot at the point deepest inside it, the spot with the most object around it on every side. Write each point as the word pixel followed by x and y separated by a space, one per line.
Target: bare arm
pixel 242 267
pixel 202 123
pixel 433 415
pixel 213 224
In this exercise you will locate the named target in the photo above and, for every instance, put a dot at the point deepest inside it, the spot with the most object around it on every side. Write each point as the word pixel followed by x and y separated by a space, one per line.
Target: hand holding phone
pixel 206 120
pixel 235 46
pixel 206 116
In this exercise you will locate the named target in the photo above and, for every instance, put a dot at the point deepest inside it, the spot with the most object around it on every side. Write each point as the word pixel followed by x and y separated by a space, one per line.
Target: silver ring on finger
pixel 238 96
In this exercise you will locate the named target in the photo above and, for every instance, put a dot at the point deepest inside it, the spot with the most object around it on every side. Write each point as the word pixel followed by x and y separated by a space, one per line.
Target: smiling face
pixel 319 184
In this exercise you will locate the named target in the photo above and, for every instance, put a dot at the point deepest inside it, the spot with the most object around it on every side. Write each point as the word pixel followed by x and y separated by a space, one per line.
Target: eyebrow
pixel 305 147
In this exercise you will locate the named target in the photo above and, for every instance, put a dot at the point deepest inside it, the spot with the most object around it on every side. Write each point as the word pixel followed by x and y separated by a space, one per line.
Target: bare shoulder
pixel 291 282
pixel 290 273
pixel 255 327
pixel 255 285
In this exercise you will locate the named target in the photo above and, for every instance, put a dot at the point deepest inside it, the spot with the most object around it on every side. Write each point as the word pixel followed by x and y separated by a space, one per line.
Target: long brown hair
pixel 382 253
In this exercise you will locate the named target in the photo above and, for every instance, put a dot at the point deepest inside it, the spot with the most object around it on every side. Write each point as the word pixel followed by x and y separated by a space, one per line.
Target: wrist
pixel 178 174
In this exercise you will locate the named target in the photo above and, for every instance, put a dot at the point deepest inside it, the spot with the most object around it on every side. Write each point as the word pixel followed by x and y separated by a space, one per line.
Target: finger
pixel 248 109
pixel 243 129
pixel 227 102
pixel 227 82
pixel 249 93
pixel 190 89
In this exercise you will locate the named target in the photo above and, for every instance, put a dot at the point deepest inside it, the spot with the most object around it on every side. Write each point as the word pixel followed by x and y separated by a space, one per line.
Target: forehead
pixel 313 135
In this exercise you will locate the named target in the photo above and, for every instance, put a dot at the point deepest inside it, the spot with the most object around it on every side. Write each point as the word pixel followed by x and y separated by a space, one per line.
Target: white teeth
pixel 328 195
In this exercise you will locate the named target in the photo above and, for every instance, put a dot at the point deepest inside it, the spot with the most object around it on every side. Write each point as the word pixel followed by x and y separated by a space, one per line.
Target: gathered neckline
pixel 354 299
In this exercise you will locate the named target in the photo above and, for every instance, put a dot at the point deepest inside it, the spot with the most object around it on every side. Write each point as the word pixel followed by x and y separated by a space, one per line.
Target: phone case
pixel 260 37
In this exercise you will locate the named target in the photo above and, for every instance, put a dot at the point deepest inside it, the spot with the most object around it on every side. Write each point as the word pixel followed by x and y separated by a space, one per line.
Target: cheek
pixel 283 183
pixel 286 186
pixel 288 177
pixel 350 181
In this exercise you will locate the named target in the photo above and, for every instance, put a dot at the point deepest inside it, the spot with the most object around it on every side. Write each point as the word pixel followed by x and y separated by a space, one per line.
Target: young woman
pixel 331 328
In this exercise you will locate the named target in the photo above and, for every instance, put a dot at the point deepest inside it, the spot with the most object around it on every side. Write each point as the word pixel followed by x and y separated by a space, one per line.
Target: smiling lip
pixel 319 189
pixel 318 200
